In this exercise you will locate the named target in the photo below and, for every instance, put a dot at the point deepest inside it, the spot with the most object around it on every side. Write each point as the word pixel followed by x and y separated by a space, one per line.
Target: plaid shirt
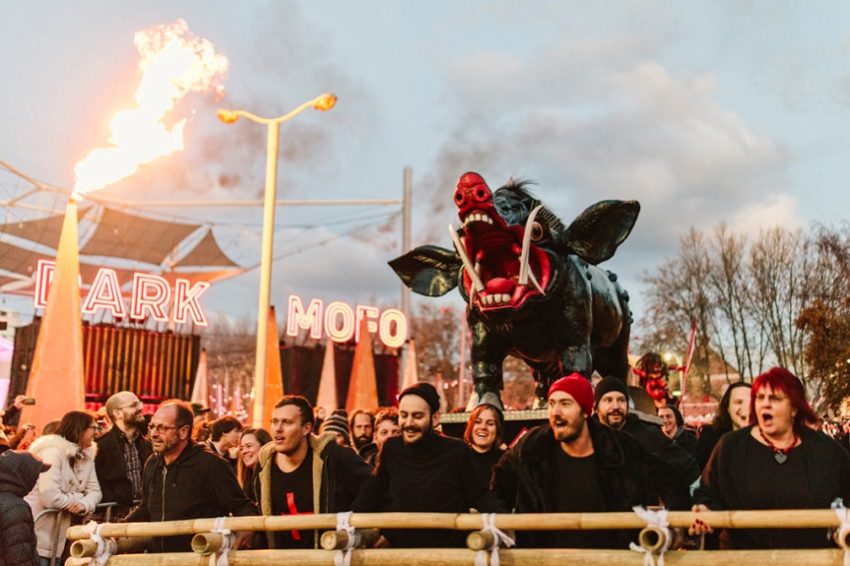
pixel 133 463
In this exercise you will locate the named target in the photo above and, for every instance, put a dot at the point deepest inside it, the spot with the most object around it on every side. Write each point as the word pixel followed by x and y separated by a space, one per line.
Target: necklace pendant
pixel 780 457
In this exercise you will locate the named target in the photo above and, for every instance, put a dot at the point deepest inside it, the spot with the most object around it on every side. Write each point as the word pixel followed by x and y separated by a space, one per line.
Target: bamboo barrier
pixel 772 519
pixel 336 540
pixel 207 543
pixel 652 539
pixel 87 548
pixel 507 557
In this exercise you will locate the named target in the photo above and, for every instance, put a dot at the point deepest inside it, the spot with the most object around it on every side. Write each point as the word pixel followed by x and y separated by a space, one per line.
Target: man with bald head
pixel 184 480
pixel 121 454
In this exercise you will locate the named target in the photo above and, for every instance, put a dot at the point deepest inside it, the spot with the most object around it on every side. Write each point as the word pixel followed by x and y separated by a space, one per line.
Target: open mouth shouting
pixel 503 266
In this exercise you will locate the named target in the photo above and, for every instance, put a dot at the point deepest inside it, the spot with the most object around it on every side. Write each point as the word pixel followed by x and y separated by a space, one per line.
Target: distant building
pixel 9 320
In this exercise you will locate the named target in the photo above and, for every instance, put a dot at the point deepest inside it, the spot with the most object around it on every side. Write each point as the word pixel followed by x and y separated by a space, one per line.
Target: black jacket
pixel 198 484
pixel 726 484
pixel 111 469
pixel 433 475
pixel 687 440
pixel 677 460
pixel 18 474
pixel 523 476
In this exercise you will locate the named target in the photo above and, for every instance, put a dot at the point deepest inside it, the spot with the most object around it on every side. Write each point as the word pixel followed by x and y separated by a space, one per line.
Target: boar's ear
pixel 596 233
pixel 428 270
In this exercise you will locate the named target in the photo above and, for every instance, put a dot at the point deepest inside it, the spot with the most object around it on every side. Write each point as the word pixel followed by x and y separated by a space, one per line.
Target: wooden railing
pixel 206 542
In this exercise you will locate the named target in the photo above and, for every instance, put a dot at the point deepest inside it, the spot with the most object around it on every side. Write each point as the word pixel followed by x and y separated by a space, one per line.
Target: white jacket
pixel 64 483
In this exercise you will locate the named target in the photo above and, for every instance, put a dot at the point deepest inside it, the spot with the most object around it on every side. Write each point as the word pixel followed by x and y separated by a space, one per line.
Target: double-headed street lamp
pixel 323 102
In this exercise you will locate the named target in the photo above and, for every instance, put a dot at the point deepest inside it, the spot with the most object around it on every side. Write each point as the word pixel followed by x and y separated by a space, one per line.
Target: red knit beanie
pixel 578 387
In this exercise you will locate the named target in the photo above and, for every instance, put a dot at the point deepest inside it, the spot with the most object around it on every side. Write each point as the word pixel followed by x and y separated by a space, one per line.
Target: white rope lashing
pixel 488 525
pixel 342 557
pixel 227 540
pixel 105 547
pixel 653 519
pixel 843 531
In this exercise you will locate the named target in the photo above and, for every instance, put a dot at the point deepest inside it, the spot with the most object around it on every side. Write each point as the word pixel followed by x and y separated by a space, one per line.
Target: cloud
pixel 775 211
pixel 591 119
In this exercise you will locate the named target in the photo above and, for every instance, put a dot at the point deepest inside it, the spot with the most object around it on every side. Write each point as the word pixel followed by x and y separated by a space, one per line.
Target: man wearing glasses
pixel 184 480
pixel 121 454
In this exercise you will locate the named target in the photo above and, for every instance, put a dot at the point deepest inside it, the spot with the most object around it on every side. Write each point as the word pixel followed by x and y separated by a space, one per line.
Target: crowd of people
pixel 595 453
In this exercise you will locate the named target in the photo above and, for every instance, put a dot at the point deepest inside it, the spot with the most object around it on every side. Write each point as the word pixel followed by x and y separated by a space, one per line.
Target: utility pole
pixel 405 234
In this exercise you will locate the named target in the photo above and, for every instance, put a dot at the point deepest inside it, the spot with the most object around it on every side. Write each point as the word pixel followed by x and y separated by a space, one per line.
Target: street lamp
pixel 323 102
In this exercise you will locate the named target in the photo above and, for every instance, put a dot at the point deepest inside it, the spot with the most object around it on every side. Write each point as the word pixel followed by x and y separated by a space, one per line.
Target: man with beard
pixel 572 465
pixel 674 464
pixel 423 471
pixel 184 480
pixel 300 473
pixel 121 455
pixel 361 423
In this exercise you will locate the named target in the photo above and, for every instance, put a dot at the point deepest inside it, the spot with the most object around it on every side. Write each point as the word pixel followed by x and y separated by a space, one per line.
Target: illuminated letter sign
pixel 297 318
pixel 342 323
pixel 43 277
pixel 151 296
pixel 105 293
pixel 393 328
pixel 186 301
pixel 339 322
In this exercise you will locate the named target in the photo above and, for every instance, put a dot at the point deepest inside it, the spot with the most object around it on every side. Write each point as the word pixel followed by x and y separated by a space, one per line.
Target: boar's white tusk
pixel 461 251
pixel 526 247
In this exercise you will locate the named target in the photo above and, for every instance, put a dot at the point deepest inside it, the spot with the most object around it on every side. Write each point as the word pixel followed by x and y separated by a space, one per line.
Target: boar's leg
pixel 488 353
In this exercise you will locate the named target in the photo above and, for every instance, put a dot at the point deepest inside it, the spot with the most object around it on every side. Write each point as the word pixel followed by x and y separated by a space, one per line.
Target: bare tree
pixel 679 293
pixel 782 266
pixel 730 283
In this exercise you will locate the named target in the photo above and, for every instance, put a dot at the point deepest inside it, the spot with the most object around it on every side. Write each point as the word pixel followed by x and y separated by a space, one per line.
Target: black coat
pixel 433 475
pixel 726 484
pixel 687 440
pixel 523 476
pixel 111 470
pixel 677 460
pixel 196 485
pixel 18 475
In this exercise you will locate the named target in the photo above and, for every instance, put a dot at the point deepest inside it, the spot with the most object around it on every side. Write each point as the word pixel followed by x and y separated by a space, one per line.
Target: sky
pixel 704 112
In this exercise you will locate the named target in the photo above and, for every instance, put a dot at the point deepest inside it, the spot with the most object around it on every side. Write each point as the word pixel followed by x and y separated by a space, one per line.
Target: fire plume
pixel 174 62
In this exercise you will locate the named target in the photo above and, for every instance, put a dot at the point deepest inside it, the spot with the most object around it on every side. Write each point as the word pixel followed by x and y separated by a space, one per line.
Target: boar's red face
pixel 505 261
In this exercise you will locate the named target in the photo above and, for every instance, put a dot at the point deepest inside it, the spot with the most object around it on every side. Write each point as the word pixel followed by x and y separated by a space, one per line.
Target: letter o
pixel 388 337
pixel 339 322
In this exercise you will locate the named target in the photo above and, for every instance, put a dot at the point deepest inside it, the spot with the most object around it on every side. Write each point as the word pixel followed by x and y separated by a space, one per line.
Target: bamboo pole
pixel 480 540
pixel 135 343
pixel 652 539
pixel 172 366
pixel 462 556
pixel 102 368
pixel 769 519
pixel 87 548
pixel 88 348
pixel 207 543
pixel 336 540
pixel 108 388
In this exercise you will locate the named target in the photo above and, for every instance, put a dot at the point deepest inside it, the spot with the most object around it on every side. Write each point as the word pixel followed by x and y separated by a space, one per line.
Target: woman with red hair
pixel 778 462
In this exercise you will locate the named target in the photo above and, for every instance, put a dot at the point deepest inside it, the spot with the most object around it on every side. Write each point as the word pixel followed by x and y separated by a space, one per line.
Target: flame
pixel 174 62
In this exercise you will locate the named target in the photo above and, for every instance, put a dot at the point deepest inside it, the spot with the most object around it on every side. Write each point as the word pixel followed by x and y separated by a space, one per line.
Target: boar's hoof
pixel 485 398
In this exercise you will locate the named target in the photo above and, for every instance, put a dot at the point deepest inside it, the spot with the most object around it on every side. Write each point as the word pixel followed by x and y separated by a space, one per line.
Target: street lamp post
pixel 323 102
